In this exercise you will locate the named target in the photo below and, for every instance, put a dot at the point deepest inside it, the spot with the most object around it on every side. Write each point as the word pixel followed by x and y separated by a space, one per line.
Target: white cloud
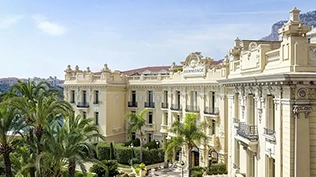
pixel 49 27
pixel 9 21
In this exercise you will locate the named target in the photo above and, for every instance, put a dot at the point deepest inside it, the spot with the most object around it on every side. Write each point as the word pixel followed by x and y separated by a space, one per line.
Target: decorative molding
pixel 302 93
pixel 306 109
pixel 259 114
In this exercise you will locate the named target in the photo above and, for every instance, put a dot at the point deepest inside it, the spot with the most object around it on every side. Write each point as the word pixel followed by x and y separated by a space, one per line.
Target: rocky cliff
pixel 309 18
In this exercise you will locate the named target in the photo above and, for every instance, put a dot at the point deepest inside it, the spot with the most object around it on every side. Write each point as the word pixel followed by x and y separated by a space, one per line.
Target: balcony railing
pixel 164 105
pixel 212 111
pixel 249 132
pixel 149 105
pixel 132 104
pixel 175 107
pixel 96 102
pixel 190 108
pixel 82 105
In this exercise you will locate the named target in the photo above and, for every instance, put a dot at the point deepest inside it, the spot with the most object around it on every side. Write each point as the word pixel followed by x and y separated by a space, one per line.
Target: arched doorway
pixel 212 157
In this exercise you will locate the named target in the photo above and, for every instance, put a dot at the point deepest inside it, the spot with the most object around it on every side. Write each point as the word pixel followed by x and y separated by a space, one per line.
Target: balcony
pixel 175 107
pixel 132 104
pixel 96 102
pixel 164 128
pixel 149 127
pixel 211 111
pixel 164 105
pixel 269 134
pixel 82 105
pixel 149 105
pixel 248 136
pixel 190 108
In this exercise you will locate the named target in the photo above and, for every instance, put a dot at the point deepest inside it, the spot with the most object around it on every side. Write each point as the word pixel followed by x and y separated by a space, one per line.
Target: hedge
pixel 103 151
pixel 217 168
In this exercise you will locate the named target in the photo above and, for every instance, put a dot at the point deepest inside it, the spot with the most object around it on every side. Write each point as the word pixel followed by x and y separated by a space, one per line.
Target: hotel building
pixel 260 101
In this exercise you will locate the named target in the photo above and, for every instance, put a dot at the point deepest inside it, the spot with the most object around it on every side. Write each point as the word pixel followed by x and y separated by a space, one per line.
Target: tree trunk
pixel 141 147
pixel 31 139
pixel 71 168
pixel 189 160
pixel 7 164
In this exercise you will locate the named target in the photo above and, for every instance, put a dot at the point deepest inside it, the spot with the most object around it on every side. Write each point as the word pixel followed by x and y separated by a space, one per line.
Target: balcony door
pixel 150 96
pixel 84 96
pixel 133 96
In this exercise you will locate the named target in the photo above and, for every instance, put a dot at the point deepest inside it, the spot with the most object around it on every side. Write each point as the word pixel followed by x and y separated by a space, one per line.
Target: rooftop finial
pixel 295 15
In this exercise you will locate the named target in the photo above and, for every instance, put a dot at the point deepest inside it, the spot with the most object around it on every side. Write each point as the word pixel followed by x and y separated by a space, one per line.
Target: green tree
pixel 11 125
pixel 189 134
pixel 136 123
pixel 39 105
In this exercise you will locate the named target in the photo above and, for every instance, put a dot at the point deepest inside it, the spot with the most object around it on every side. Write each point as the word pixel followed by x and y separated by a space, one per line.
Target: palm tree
pixel 70 142
pixel 190 134
pixel 136 122
pixel 38 105
pixel 11 125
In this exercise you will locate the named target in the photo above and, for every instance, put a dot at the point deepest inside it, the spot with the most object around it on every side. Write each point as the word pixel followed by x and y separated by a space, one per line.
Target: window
pixel 84 115
pixel 178 98
pixel 270 113
pixel 96 116
pixel 178 117
pixel 96 97
pixel 166 118
pixel 150 137
pixel 251 110
pixel 133 96
pixel 270 166
pixel 166 96
pixel 133 135
pixel 150 117
pixel 150 96
pixel 194 98
pixel 84 96
pixel 213 127
pixel 212 101
pixel 236 104
pixel 72 96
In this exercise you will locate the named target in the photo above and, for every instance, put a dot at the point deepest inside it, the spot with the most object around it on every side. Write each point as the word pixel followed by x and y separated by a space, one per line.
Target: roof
pixel 149 69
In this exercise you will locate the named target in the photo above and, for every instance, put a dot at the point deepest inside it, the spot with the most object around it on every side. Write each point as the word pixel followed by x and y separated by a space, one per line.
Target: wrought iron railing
pixel 267 131
pixel 190 108
pixel 164 105
pixel 132 104
pixel 249 132
pixel 82 104
pixel 212 111
pixel 149 105
pixel 175 107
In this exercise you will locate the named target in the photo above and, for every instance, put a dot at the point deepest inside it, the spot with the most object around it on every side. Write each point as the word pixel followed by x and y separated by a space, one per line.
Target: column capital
pixel 306 109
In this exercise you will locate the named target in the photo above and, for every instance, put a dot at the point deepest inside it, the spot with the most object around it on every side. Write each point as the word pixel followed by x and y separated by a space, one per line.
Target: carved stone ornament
pixel 302 93
pixel 306 109
pixel 312 53
pixel 260 114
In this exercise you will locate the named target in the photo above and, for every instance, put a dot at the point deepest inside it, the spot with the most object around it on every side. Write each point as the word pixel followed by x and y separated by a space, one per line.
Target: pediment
pixel 193 59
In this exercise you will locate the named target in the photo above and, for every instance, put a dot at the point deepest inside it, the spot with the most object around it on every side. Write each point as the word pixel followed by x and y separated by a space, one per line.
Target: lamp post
pixel 182 165
pixel 132 152
pixel 157 143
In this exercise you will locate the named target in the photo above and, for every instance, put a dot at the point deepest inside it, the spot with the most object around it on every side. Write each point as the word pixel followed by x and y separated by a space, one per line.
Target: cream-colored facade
pixel 260 100
pixel 271 104
pixel 167 92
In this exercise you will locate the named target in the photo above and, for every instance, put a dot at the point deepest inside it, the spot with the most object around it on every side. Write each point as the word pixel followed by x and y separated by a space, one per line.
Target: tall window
pixel 84 115
pixel 213 101
pixel 194 98
pixel 270 166
pixel 133 135
pixel 166 96
pixel 96 97
pixel 213 127
pixel 251 110
pixel 178 98
pixel 96 116
pixel 72 96
pixel 150 96
pixel 133 96
pixel 150 117
pixel 84 96
pixel 166 118
pixel 270 113
pixel 236 105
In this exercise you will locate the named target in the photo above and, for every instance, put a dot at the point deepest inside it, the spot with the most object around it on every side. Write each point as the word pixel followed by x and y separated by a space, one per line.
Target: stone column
pixel 301 140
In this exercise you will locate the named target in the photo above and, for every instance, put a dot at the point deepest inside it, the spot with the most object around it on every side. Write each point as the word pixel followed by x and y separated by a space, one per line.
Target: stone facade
pixel 261 102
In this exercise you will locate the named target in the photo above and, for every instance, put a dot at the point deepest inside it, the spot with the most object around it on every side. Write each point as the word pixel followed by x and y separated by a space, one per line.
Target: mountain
pixel 309 18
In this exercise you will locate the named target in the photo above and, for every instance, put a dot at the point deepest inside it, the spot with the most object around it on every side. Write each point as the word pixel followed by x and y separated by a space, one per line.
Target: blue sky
pixel 40 38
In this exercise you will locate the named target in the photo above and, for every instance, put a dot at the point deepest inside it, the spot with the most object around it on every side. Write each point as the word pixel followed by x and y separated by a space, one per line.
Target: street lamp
pixel 182 165
pixel 132 146
pixel 157 143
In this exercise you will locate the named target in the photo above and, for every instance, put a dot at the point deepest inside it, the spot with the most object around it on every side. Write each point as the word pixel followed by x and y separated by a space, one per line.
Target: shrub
pixel 136 142
pixel 123 154
pixel 152 145
pixel 218 168
pixel 103 151
pixel 110 170
pixel 197 171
